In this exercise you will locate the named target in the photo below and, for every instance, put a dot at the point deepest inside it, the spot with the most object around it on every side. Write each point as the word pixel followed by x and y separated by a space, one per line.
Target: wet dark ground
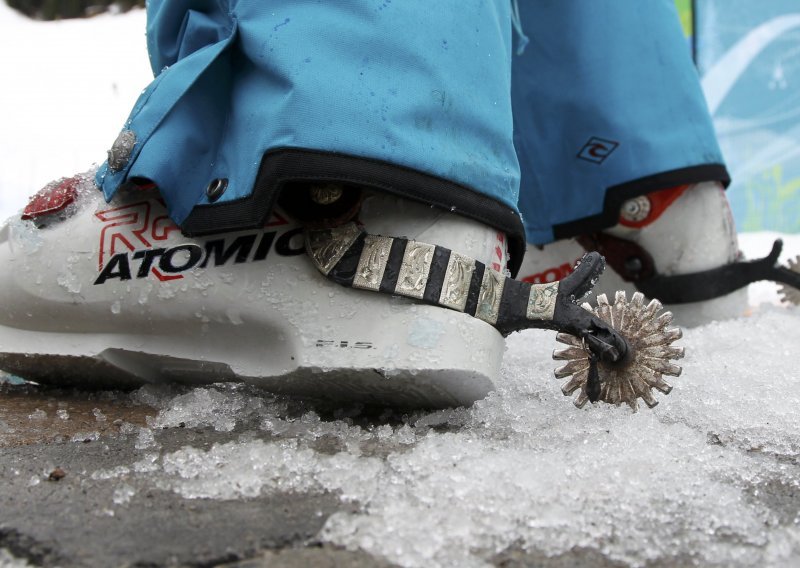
pixel 59 508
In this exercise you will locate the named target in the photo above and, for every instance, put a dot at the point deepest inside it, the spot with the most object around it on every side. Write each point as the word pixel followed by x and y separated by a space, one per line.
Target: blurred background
pixel 748 55
pixel 72 70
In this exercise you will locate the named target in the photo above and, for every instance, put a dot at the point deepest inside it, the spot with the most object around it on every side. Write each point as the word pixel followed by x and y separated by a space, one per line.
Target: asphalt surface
pixel 53 512
pixel 58 509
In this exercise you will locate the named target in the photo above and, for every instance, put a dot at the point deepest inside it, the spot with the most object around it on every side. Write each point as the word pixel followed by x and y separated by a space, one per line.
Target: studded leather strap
pixel 430 273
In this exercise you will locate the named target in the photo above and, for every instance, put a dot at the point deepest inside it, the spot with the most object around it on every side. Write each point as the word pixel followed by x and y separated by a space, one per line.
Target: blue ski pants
pixel 440 102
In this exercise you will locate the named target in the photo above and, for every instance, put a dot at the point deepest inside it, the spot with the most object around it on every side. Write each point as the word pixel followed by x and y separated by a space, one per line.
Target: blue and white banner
pixel 748 54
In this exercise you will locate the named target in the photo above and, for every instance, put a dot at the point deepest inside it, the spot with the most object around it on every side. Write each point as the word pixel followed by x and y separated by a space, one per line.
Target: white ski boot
pixel 113 295
pixel 683 230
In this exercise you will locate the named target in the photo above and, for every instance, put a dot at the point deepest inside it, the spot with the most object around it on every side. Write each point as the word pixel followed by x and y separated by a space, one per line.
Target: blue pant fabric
pixel 422 99
pixel 607 106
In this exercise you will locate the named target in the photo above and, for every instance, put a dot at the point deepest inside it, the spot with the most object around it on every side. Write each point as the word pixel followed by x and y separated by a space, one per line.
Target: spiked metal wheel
pixel 649 356
pixel 789 293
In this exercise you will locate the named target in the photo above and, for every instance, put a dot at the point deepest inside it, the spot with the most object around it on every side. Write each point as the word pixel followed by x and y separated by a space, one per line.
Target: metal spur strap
pixel 634 264
pixel 701 286
pixel 600 359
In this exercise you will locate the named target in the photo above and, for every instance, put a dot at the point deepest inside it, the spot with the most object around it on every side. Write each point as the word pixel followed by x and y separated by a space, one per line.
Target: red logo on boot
pixel 131 225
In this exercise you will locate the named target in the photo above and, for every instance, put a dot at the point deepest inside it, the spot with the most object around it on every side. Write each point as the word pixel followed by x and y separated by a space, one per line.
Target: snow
pixel 8 560
pixel 67 89
pixel 709 477
pixel 523 469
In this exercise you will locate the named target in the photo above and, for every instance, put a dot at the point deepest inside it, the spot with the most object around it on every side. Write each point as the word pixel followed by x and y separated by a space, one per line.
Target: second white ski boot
pixel 677 231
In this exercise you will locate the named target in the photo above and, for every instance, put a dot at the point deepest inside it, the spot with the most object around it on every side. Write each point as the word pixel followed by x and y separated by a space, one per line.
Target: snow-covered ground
pixel 708 477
